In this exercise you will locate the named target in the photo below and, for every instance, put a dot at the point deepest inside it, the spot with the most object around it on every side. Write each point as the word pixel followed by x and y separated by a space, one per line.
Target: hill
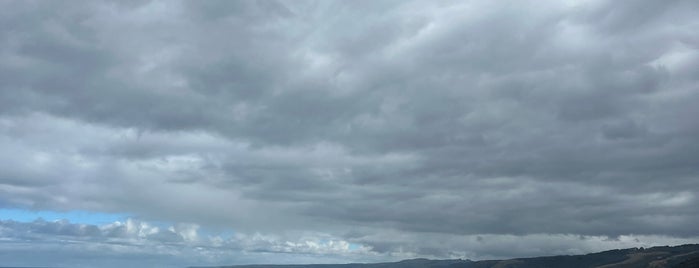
pixel 684 256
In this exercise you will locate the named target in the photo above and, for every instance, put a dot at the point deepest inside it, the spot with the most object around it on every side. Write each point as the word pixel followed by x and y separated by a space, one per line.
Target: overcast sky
pixel 228 132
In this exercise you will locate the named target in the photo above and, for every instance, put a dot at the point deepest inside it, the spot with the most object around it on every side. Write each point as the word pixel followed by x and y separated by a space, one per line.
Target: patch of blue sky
pixel 75 216
pixel 350 246
pixel 220 232
pixel 353 246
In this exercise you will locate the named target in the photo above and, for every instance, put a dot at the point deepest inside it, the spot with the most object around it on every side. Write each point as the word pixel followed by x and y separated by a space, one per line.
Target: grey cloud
pixel 421 118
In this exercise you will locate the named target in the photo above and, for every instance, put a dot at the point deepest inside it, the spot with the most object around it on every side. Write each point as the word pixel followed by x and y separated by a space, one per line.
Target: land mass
pixel 684 256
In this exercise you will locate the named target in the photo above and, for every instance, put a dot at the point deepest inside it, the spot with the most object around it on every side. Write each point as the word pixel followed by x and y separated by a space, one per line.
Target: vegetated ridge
pixel 684 256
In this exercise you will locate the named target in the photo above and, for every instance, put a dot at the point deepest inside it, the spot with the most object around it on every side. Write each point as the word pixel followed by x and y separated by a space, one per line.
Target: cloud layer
pixel 426 121
pixel 140 244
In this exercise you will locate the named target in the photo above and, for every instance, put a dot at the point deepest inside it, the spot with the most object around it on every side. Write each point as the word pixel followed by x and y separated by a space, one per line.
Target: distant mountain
pixel 684 256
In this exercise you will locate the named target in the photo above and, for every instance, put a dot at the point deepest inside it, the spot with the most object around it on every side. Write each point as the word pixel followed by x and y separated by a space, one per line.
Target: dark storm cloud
pixel 456 118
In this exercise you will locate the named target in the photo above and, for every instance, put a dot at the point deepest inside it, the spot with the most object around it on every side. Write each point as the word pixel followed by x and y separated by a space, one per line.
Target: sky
pixel 175 133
